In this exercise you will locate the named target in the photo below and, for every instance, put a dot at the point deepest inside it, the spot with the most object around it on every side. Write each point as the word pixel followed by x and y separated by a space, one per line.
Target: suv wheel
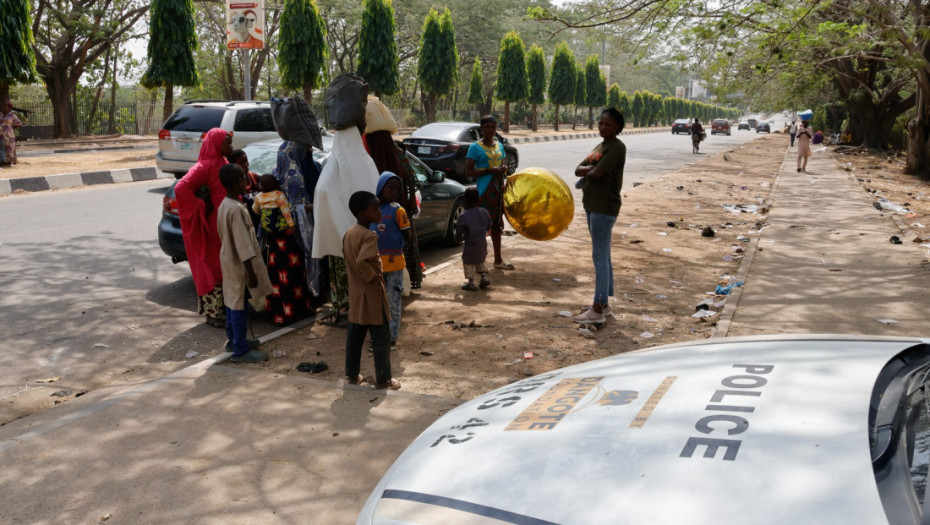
pixel 511 163
pixel 457 209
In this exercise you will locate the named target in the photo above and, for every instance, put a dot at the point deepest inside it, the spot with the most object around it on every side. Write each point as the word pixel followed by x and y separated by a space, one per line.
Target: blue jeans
pixel 394 282
pixel 601 228
pixel 236 326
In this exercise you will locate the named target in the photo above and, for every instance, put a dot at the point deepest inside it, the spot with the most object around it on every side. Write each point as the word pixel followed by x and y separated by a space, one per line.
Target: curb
pixel 574 136
pixel 742 273
pixel 77 180
pixel 46 152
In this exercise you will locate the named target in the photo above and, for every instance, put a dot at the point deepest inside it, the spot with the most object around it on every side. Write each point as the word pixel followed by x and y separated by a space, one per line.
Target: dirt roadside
pixel 459 344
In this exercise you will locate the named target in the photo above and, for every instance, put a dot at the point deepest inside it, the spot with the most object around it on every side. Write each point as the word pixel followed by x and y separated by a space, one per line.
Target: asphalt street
pixel 88 298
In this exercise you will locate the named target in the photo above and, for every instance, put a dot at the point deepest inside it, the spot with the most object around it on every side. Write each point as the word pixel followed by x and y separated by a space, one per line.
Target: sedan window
pixel 418 168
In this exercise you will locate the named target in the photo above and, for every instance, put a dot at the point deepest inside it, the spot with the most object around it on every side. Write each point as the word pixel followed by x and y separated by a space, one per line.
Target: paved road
pixel 86 295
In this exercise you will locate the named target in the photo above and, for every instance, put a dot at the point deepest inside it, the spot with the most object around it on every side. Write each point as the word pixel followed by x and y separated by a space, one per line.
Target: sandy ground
pixel 459 344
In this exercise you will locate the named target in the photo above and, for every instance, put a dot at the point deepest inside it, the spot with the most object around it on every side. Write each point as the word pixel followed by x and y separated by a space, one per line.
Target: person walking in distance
pixel 793 131
pixel 805 134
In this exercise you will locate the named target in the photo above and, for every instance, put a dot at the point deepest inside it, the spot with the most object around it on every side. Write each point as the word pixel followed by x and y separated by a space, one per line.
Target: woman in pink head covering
pixel 8 124
pixel 199 194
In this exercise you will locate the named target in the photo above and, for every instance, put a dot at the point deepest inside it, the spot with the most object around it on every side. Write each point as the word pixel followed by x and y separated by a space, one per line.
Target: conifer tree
pixel 172 42
pixel 562 80
pixel 536 70
pixel 475 93
pixel 613 96
pixel 512 82
pixel 17 57
pixel 594 95
pixel 581 92
pixel 301 46
pixel 377 48
pixel 437 66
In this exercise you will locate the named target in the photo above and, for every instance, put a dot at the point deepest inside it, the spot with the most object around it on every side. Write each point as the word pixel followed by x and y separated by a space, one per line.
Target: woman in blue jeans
pixel 601 175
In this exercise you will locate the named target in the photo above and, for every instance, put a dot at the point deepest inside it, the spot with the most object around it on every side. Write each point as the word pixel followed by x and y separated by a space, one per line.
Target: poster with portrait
pixel 245 24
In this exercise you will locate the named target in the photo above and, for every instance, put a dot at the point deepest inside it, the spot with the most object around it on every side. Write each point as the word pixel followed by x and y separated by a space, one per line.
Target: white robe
pixel 348 169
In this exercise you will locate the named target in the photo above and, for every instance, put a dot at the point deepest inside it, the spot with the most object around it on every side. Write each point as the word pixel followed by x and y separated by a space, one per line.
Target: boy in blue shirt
pixel 393 233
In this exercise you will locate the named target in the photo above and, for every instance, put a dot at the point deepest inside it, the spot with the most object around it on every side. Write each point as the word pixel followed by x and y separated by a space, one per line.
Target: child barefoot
pixel 241 265
pixel 393 233
pixel 472 227
pixel 368 309
pixel 272 207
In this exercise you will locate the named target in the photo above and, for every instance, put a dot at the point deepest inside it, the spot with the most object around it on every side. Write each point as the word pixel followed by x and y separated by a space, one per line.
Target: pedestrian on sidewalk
pixel 8 124
pixel 805 134
pixel 199 194
pixel 368 307
pixel 471 228
pixel 602 176
pixel 393 232
pixel 485 163
pixel 241 262
pixel 793 131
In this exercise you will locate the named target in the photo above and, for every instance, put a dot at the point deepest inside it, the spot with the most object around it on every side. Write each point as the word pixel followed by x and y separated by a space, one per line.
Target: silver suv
pixel 182 134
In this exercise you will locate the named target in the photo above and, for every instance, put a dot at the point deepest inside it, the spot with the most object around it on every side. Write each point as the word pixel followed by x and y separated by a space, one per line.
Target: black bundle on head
pixel 616 114
pixel 359 201
pixel 230 175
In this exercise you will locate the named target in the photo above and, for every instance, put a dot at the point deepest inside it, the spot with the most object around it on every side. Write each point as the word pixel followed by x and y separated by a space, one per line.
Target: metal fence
pixel 139 118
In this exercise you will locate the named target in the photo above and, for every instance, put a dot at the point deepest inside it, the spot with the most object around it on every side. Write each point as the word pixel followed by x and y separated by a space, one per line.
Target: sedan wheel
pixel 511 161
pixel 457 209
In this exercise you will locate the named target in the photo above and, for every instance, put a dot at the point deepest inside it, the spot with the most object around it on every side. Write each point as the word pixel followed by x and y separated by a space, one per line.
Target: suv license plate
pixel 184 144
pixel 423 150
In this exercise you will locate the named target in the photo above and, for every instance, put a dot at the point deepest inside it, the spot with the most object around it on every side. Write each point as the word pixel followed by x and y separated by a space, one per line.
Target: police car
pixel 787 430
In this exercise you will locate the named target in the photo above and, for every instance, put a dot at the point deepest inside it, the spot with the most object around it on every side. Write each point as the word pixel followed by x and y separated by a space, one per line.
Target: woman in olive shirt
pixel 602 176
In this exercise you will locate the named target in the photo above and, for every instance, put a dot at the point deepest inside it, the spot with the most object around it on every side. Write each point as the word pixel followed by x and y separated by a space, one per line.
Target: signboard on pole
pixel 245 24
pixel 679 91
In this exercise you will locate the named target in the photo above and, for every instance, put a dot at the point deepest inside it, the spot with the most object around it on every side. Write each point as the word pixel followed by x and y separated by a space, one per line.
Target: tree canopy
pixel 377 47
pixel 302 47
pixel 17 57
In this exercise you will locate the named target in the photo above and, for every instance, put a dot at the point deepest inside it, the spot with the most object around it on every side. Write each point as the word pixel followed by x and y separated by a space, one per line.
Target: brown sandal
pixel 392 384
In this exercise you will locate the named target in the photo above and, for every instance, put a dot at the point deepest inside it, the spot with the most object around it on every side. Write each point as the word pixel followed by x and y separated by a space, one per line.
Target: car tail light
pixel 170 205
pixel 449 147
pixel 164 134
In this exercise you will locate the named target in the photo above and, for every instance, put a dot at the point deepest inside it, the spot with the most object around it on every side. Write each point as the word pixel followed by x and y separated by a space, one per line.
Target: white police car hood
pixel 735 431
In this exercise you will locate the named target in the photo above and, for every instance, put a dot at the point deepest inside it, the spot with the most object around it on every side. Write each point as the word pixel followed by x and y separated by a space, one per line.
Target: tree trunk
pixel 506 127
pixel 308 93
pixel 575 118
pixel 169 103
pixel 111 124
pixel 430 107
pixel 535 115
pixel 4 90
pixel 60 97
pixel 918 140
pixel 556 122
pixel 92 118
pixel 590 117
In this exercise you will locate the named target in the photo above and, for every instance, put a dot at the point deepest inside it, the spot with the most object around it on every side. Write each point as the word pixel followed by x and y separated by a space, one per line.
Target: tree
pixel 302 46
pixel 172 42
pixel 69 37
pixel 626 105
pixel 511 74
pixel 17 57
pixel 562 81
pixel 613 96
pixel 581 92
pixel 475 94
pixel 638 109
pixel 437 67
pixel 377 48
pixel 594 95
pixel 536 71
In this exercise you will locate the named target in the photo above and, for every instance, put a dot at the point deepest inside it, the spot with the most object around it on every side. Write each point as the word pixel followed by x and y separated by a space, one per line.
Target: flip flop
pixel 503 266
pixel 392 384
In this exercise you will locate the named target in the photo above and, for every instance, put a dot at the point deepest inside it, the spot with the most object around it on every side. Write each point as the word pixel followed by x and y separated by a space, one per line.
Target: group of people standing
pixel 312 225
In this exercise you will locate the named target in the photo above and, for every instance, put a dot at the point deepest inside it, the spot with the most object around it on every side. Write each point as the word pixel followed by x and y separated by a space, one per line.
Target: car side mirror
pixel 438 176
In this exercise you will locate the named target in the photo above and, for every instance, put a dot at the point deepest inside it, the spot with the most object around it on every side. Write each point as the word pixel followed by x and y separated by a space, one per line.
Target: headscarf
pixel 380 146
pixel 382 180
pixel 201 238
pixel 348 169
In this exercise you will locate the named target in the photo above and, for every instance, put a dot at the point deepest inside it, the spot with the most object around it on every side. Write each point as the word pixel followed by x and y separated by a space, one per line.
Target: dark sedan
pixel 681 125
pixel 763 126
pixel 444 145
pixel 440 207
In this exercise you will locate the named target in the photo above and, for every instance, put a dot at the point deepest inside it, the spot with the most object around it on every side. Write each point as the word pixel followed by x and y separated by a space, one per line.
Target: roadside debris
pixel 313 368
pixel 101 345
pixel 895 239
pixel 887 321
pixel 49 379
pixel 647 335
pixel 426 353
pixel 737 209
pixel 727 285
pixel 708 232
pixel 191 353
pixel 885 205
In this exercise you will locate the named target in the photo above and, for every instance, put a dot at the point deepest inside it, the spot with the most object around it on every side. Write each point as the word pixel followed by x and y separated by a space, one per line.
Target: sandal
pixel 358 380
pixel 470 287
pixel 503 265
pixel 392 384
